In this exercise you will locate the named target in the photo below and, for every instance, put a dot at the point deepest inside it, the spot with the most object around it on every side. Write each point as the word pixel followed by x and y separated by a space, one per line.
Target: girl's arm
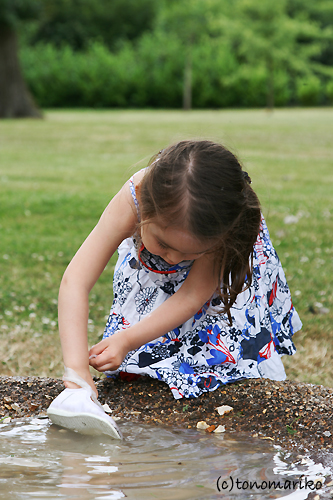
pixel 198 287
pixel 116 223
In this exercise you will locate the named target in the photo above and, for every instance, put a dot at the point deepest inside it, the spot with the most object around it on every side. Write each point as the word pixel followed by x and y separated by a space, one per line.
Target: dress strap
pixel 133 193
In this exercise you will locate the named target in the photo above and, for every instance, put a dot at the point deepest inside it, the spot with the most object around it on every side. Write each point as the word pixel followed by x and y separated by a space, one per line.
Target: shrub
pixel 309 90
pixel 329 91
pixel 150 73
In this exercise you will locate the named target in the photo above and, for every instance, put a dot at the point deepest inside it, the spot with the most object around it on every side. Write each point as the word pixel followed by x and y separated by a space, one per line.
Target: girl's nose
pixel 172 258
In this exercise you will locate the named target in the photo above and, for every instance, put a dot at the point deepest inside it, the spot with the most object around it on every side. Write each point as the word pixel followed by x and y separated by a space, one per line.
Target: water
pixel 41 461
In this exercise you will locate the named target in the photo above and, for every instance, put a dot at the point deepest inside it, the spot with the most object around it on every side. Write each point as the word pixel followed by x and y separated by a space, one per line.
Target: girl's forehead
pixel 179 239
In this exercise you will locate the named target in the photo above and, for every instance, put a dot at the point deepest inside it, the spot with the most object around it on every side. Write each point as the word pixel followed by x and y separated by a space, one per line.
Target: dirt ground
pixel 294 415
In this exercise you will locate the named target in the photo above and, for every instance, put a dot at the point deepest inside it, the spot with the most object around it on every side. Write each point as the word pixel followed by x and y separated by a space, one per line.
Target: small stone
pixel 222 410
pixel 219 429
pixel 16 407
pixel 7 399
pixel 211 428
pixel 327 434
pixel 6 420
pixel 202 425
pixel 135 412
pixel 116 418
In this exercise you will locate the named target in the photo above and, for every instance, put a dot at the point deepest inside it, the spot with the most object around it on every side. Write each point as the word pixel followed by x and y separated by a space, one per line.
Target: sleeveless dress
pixel 205 351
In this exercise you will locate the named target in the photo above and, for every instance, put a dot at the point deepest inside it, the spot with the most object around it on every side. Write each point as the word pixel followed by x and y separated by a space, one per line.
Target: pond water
pixel 39 460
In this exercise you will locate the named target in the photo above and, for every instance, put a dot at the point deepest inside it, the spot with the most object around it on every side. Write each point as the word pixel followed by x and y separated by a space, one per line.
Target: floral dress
pixel 205 351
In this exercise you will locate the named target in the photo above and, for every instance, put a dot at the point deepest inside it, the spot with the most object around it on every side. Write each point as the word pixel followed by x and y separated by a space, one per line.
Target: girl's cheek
pixel 150 246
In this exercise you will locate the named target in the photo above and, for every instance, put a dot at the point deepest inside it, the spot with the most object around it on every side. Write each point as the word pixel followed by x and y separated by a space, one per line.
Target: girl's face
pixel 172 244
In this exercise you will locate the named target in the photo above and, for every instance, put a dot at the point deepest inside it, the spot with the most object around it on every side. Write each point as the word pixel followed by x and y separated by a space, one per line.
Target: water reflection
pixel 39 460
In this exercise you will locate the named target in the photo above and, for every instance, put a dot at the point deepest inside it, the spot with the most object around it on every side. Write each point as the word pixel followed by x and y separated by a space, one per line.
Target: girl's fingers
pixel 100 359
pixel 107 367
pixel 98 348
pixel 104 362
pixel 108 354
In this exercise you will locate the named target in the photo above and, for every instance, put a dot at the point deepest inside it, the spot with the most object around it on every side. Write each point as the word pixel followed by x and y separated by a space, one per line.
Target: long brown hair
pixel 200 186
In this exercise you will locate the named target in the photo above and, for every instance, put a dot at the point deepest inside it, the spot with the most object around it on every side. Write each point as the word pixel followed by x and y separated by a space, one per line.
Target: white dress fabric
pixel 205 351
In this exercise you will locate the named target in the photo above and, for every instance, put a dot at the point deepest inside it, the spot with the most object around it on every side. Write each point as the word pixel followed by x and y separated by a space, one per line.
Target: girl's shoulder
pixel 137 177
pixel 129 190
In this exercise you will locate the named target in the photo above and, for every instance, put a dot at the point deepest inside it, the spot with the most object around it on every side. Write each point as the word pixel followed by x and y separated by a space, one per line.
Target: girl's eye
pixel 162 245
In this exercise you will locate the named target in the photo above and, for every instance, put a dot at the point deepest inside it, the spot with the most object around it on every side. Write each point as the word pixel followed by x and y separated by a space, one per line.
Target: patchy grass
pixel 58 174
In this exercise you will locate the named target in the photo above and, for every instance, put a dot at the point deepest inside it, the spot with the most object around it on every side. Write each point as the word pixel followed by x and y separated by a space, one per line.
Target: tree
pixel 79 22
pixel 320 12
pixel 265 33
pixel 189 21
pixel 15 99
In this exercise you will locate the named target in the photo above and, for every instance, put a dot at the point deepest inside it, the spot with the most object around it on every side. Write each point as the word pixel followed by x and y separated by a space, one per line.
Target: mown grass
pixel 58 174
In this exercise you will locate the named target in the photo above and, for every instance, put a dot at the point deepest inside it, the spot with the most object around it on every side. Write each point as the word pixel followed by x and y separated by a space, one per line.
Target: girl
pixel 200 297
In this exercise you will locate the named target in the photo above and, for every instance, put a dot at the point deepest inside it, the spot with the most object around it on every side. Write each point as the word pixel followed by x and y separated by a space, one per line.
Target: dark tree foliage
pixel 320 11
pixel 15 99
pixel 77 22
pixel 11 11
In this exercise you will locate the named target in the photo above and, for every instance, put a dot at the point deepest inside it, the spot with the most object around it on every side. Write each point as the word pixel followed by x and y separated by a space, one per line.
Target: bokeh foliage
pixel 143 53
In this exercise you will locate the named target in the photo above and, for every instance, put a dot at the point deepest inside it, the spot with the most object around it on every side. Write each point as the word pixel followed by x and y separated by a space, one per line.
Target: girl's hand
pixel 109 353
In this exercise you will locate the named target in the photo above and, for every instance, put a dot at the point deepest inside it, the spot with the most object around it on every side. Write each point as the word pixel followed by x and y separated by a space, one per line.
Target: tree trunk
pixel 270 100
pixel 187 89
pixel 15 98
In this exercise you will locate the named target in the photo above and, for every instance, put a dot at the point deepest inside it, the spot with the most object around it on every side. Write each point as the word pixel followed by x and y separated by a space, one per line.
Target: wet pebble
pixel 224 409
pixel 202 425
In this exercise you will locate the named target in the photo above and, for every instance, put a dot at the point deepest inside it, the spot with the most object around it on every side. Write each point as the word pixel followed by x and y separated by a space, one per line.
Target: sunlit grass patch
pixel 58 174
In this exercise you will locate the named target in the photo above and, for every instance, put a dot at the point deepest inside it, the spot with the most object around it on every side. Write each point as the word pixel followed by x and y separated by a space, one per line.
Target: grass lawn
pixel 58 174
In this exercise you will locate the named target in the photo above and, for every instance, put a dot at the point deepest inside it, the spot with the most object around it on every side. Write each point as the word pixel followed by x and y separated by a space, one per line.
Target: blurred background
pixel 165 54
pixel 115 81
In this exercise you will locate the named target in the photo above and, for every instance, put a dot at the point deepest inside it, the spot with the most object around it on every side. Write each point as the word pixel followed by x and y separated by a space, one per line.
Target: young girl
pixel 200 297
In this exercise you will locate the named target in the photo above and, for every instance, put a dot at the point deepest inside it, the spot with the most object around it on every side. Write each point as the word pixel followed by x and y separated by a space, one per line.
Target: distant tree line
pixel 171 53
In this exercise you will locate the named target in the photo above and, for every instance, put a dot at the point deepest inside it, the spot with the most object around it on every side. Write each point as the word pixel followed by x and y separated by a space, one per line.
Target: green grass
pixel 58 174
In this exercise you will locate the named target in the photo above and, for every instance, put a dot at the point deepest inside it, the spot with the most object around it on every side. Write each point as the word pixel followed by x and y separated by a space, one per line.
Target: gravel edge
pixel 295 415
